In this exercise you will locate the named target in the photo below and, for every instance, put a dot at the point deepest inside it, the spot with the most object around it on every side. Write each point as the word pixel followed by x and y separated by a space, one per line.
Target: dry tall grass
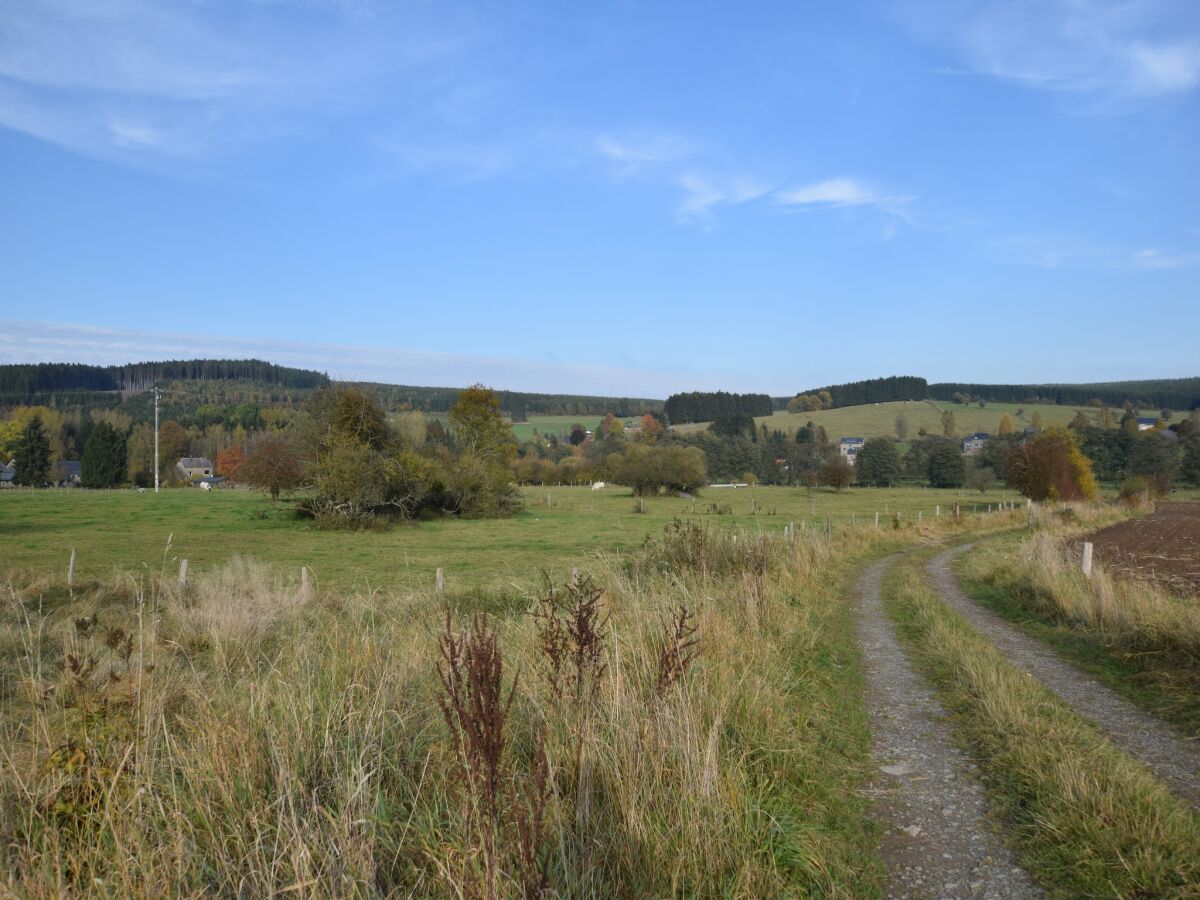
pixel 1091 821
pixel 240 737
pixel 1044 574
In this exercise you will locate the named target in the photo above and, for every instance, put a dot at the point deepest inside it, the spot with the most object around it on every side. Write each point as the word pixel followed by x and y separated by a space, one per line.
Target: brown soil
pixel 1163 546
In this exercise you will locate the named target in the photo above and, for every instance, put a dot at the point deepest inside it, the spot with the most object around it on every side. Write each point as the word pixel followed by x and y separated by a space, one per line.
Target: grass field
pixel 128 531
pixel 559 425
pixel 879 420
pixel 239 736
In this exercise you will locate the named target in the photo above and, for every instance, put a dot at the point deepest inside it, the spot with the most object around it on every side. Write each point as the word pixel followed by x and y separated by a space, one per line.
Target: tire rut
pixel 939 840
pixel 1140 734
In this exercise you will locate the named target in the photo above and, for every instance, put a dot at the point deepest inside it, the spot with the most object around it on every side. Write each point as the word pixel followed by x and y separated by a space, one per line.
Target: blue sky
pixel 612 198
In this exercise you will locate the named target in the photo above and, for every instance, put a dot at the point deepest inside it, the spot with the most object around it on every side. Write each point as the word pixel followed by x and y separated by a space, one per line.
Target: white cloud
pixel 1072 252
pixel 833 192
pixel 701 193
pixel 1115 51
pixel 637 149
pixel 131 79
pixel 62 342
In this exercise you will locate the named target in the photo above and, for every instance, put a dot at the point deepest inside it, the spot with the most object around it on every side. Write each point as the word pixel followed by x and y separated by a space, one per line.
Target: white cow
pixel 598 485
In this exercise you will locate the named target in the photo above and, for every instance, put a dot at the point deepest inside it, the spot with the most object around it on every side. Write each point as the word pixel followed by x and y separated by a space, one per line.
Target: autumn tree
pixel 33 454
pixel 274 464
pixel 1006 424
pixel 480 427
pixel 837 472
pixel 230 461
pixel 1052 467
pixel 172 443
pixel 651 430
pixel 948 427
pixel 669 467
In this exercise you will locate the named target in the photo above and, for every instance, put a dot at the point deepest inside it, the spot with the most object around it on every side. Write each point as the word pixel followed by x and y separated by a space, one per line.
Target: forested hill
pixel 516 403
pixel 1170 393
pixel 1165 393
pixel 42 378
pixel 195 382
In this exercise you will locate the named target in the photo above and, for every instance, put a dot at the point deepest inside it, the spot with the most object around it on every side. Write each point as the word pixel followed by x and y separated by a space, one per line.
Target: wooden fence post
pixel 876 518
pixel 439 581
pixel 183 573
pixel 71 570
pixel 304 580
pixel 1087 559
pixel 937 511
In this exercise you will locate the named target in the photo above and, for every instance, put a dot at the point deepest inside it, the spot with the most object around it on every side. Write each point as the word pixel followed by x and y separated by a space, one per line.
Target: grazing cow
pixel 598 485
pixel 205 486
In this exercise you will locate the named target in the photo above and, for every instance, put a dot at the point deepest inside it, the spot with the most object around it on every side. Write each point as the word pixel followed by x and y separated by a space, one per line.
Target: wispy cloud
pixel 1074 252
pixel 128 79
pixel 840 192
pixel 1113 52
pixel 22 341
pixel 703 193
pixel 641 148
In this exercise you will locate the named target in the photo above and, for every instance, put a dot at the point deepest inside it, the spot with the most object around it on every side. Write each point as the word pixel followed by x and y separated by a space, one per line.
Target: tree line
pixel 871 390
pixel 1168 393
pixel 708 406
pixel 517 405
pixel 21 380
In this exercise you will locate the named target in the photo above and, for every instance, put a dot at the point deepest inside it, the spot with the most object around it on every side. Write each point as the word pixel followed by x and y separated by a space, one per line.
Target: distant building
pixel 849 447
pixel 1145 424
pixel 973 443
pixel 67 472
pixel 193 468
pixel 8 472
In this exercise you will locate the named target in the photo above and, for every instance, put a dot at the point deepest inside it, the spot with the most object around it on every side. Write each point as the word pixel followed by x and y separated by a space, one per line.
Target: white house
pixel 973 443
pixel 190 468
pixel 849 447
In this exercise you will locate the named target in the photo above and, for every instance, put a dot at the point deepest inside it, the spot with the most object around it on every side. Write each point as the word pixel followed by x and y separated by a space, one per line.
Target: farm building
pixel 7 473
pixel 973 443
pixel 1145 424
pixel 849 447
pixel 67 472
pixel 191 468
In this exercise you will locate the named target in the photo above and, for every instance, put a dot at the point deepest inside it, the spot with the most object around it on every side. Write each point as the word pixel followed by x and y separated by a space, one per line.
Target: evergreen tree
pixel 946 467
pixel 103 463
pixel 33 454
pixel 878 463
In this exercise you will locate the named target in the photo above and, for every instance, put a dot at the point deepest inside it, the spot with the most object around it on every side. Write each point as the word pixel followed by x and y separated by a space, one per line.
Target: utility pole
pixel 156 439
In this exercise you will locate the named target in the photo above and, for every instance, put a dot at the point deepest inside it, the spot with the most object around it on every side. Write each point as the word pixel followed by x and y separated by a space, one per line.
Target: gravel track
pixel 1147 738
pixel 939 841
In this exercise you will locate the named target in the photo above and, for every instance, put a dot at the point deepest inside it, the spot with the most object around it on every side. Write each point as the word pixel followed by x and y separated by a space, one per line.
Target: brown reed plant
pixel 573 630
pixel 476 712
pixel 678 650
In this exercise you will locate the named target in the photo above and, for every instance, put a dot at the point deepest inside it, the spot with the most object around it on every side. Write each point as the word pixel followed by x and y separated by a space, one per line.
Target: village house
pixel 8 471
pixel 192 468
pixel 973 443
pixel 849 447
pixel 67 473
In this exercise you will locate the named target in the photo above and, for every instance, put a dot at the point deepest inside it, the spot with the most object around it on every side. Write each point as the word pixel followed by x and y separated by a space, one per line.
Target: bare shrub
pixel 678 649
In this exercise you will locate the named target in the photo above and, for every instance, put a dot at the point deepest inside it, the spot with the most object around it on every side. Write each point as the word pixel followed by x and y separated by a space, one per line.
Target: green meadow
pixel 560 528
pixel 879 420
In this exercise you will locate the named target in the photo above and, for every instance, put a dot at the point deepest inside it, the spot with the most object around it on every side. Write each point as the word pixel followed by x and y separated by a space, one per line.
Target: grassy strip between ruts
pixel 1029 583
pixel 1089 820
